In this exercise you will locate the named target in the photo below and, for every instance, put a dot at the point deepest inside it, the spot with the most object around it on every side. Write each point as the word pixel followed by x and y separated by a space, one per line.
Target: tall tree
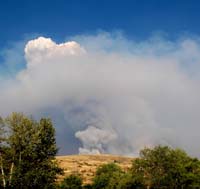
pixel 31 150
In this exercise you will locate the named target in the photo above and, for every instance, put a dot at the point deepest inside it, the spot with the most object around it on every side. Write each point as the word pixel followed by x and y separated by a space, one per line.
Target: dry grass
pixel 86 165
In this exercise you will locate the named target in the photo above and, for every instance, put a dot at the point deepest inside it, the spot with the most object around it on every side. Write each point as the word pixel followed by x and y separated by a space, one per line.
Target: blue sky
pixel 138 19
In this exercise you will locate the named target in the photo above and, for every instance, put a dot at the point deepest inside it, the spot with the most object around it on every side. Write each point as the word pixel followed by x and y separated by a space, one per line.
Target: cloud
pixel 45 49
pixel 113 94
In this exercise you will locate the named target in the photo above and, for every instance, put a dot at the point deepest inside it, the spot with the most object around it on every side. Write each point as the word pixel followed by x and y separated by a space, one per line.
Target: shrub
pixel 71 182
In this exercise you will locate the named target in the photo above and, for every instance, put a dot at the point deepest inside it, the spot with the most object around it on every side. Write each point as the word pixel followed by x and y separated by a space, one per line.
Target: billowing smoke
pixel 108 94
pixel 95 141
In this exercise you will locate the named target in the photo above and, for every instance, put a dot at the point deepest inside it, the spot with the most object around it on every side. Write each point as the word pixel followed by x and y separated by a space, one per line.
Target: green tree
pixel 115 180
pixel 71 182
pixel 130 181
pixel 164 167
pixel 29 153
pixel 111 176
pixel 105 175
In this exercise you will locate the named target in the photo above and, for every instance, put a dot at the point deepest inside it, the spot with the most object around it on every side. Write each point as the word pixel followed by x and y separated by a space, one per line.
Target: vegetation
pixel 27 161
pixel 71 182
pixel 28 150
pixel 111 176
pixel 164 167
pixel 105 175
pixel 158 168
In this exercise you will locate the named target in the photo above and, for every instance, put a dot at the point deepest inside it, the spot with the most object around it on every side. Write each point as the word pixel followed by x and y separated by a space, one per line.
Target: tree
pixel 29 153
pixel 111 176
pixel 71 182
pixel 164 167
pixel 105 175
pixel 2 153
pixel 130 181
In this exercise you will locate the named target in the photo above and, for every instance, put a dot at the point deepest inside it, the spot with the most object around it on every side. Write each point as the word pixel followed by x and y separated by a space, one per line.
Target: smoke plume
pixel 108 94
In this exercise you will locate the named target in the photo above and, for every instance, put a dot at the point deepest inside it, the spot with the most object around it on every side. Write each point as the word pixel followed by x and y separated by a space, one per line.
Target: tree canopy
pixel 71 182
pixel 163 167
pixel 105 175
pixel 28 149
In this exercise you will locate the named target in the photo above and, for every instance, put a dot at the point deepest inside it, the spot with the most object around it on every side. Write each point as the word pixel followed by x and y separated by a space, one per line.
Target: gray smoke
pixel 95 140
pixel 111 94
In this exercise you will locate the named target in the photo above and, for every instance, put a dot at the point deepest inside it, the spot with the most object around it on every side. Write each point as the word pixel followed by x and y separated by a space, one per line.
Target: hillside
pixel 86 165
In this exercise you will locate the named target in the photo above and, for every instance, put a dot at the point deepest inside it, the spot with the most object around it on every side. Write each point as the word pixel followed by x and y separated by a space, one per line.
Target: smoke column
pixel 108 94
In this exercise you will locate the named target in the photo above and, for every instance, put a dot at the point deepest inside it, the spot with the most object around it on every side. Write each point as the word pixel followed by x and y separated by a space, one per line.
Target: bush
pixel 71 182
pixel 88 186
pixel 105 174
pixel 129 181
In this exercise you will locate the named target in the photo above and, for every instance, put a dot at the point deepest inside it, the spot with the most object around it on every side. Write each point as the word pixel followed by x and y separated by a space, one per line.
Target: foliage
pixel 105 175
pixel 164 167
pixel 27 161
pixel 87 186
pixel 28 155
pixel 129 181
pixel 71 182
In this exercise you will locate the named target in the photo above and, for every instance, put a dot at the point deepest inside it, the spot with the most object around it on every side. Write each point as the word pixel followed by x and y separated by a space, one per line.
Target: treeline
pixel 27 161
pixel 158 168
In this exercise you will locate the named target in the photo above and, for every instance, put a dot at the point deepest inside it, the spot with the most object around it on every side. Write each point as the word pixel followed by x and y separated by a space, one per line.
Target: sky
pixel 136 18
pixel 114 76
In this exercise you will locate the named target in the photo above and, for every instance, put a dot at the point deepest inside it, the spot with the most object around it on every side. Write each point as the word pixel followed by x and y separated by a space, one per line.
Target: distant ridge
pixel 86 165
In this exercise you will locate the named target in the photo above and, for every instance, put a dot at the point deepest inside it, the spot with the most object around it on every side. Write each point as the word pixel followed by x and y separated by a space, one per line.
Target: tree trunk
pixel 11 173
pixel 2 172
